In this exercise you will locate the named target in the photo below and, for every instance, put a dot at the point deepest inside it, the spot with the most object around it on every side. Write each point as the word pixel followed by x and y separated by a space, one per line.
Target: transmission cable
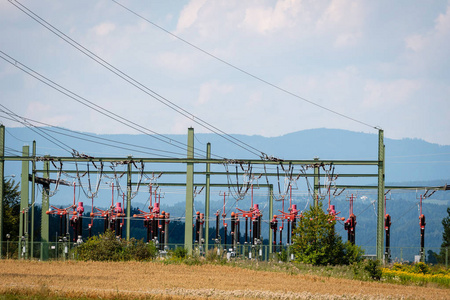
pixel 242 70
pixel 45 135
pixel 96 137
pixel 77 98
pixel 136 83
pixel 12 135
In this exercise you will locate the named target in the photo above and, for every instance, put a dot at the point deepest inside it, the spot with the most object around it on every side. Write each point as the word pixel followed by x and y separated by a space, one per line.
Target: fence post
pixel 446 257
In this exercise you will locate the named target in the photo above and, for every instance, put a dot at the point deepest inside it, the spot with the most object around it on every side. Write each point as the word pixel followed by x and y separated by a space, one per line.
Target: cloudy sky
pixel 378 63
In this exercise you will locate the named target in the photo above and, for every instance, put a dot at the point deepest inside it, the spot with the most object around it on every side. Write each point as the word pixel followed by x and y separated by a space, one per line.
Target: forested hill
pixel 406 159
pixel 408 162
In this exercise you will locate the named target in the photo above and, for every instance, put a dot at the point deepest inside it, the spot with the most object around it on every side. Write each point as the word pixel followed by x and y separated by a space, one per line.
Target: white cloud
pixel 266 19
pixel 428 52
pixel 389 94
pixel 212 90
pixel 189 14
pixel 364 59
pixel 174 61
pixel 343 19
pixel 104 28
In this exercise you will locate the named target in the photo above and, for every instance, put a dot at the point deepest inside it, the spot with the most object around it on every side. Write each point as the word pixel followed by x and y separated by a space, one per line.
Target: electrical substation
pixel 238 230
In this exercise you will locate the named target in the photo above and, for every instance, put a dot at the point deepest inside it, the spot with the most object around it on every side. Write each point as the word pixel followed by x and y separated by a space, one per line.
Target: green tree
pixel 445 239
pixel 11 209
pixel 316 242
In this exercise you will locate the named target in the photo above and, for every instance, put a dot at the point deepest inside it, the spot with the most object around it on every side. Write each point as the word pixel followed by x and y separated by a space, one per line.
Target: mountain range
pixel 408 162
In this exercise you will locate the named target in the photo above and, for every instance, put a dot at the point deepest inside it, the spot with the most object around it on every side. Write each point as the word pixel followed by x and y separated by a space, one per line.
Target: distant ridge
pixel 406 159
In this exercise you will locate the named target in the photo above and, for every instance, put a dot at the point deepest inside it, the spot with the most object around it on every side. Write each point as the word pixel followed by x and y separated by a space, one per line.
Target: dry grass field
pixel 155 280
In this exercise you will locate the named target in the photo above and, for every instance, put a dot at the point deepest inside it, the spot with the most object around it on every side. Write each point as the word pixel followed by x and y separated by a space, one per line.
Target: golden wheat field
pixel 178 281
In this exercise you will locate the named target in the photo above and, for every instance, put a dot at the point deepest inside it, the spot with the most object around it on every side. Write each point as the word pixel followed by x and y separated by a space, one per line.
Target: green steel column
pixel 207 196
pixel 189 193
pixel 380 210
pixel 2 180
pixel 270 218
pixel 33 198
pixel 45 236
pixel 129 199
pixel 24 196
pixel 316 186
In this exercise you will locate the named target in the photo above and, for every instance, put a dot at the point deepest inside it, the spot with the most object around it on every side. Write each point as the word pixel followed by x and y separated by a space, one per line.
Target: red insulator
pixel 332 210
pixel 80 208
pixel 156 208
pixel 422 221
pixel 118 208
pixel 387 221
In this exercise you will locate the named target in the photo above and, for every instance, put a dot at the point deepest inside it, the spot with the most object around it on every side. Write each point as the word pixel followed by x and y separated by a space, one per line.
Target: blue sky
pixel 384 63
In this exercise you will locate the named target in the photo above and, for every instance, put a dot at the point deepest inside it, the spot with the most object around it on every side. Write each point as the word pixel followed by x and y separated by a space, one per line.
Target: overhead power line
pixel 38 131
pixel 136 83
pixel 88 103
pixel 92 138
pixel 242 70
pixel 93 106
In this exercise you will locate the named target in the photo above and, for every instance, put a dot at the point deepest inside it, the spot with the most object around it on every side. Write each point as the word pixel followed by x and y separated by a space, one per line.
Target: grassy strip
pixel 356 271
pixel 404 277
pixel 399 274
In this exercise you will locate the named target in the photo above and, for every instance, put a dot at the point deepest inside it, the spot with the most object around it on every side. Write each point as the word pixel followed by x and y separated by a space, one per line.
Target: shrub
pixel 282 255
pixel 106 247
pixel 397 266
pixel 352 254
pixel 212 255
pixel 141 251
pixel 179 252
pixel 373 268
pixel 421 267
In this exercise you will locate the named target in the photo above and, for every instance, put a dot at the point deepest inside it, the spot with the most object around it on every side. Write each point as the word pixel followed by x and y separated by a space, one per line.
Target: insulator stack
pixel 281 237
pixel 225 227
pixel 274 227
pixel 217 227
pixel 422 234
pixel 197 228
pixel 166 229
pixel 233 228
pixel 255 230
pixel 246 230
pixel 238 230
pixel 288 236
pixel 199 221
pixel 200 232
pixel 156 224
pixel 291 219
pixel 387 228
pixel 350 225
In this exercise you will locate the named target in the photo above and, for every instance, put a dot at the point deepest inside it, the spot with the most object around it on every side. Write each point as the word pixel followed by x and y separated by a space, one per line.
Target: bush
pixel 422 268
pixel 179 252
pixel 141 251
pixel 373 268
pixel 352 254
pixel 106 247
pixel 282 255
pixel 214 257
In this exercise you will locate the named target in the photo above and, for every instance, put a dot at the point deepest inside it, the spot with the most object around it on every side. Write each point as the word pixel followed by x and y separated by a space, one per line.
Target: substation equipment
pixel 156 222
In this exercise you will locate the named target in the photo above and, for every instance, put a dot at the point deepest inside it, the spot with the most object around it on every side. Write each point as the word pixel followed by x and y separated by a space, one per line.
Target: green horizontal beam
pixel 393 187
pixel 215 173
pixel 204 184
pixel 194 160
pixel 354 187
